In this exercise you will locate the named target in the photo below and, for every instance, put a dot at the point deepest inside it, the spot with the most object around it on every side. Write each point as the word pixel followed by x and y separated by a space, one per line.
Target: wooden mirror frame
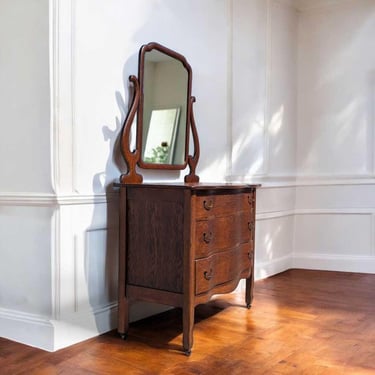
pixel 133 158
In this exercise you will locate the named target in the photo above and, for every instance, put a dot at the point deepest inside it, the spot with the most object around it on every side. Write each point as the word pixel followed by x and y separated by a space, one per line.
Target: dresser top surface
pixel 190 186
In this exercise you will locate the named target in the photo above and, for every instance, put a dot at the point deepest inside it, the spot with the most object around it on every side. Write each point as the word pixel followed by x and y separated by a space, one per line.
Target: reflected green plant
pixel 159 154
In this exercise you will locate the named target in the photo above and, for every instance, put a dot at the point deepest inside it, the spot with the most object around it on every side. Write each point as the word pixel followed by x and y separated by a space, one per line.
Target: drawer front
pixel 221 205
pixel 222 268
pixel 217 234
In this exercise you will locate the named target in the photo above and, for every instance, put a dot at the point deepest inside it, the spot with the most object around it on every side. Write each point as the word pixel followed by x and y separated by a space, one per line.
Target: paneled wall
pixel 262 130
pixel 335 153
pixel 285 97
pixel 26 186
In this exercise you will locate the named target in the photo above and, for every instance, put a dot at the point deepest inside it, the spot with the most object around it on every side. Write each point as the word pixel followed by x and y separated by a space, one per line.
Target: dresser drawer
pixel 221 204
pixel 217 234
pixel 222 268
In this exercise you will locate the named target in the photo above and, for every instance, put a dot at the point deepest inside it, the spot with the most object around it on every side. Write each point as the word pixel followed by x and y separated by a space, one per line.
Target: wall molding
pixel 272 267
pixel 48 200
pixel 29 329
pixel 274 181
pixel 51 335
pixel 229 148
pixel 318 5
pixel 329 262
pixel 62 95
pixel 77 327
pixel 268 215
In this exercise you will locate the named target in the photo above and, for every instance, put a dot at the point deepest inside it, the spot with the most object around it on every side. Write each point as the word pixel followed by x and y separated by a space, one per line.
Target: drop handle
pixel 208 274
pixel 251 226
pixel 208 205
pixel 207 237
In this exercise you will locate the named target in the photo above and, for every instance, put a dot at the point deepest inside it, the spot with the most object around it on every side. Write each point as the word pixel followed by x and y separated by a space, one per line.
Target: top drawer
pixel 223 204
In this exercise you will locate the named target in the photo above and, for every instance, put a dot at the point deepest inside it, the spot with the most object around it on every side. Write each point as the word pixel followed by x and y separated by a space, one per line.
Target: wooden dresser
pixel 181 243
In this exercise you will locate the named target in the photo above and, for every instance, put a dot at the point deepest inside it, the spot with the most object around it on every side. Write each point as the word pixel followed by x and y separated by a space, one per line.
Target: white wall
pixel 24 97
pixel 26 217
pixel 265 113
pixel 262 130
pixel 336 118
pixel 336 90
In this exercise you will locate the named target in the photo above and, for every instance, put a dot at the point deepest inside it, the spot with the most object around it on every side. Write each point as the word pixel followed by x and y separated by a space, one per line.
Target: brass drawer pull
pixel 207 237
pixel 251 199
pixel 208 275
pixel 251 226
pixel 208 205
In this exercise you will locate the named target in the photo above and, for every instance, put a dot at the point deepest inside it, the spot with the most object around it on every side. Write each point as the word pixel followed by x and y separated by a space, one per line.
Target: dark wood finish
pixel 193 160
pixel 131 157
pixel 303 322
pixel 183 243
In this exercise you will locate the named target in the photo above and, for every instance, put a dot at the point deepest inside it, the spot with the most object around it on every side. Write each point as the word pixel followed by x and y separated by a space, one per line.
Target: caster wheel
pixel 187 352
pixel 248 306
pixel 123 336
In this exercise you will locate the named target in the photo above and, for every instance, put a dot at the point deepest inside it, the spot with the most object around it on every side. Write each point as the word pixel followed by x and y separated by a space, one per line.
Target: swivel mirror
pixel 163 104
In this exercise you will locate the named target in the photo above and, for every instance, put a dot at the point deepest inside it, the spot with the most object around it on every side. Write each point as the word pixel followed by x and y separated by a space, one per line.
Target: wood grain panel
pixel 155 238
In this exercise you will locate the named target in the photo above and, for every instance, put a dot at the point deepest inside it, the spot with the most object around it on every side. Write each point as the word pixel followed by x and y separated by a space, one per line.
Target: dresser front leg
pixel 123 318
pixel 187 327
pixel 249 290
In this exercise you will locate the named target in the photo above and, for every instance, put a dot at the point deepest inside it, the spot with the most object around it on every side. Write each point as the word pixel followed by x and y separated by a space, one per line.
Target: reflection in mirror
pixel 165 99
pixel 161 136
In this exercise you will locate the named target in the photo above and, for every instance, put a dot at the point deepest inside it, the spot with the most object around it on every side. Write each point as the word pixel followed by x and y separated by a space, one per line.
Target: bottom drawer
pixel 223 267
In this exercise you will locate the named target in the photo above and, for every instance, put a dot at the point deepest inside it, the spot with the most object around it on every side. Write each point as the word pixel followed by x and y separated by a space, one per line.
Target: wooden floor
pixel 301 322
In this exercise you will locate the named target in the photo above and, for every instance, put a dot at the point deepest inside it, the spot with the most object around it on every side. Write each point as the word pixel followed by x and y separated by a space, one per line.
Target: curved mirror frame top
pixel 163 117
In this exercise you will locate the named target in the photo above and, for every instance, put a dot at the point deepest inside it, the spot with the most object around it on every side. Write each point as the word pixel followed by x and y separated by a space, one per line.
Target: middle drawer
pixel 221 233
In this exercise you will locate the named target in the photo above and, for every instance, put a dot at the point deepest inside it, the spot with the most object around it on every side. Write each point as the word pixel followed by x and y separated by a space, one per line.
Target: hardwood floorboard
pixel 301 322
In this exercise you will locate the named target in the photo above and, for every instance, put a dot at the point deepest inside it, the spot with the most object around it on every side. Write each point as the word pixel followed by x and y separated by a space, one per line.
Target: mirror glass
pixel 164 103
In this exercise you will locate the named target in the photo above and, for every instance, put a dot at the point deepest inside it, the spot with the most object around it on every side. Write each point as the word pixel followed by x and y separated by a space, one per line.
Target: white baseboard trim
pixel 27 329
pixel 74 328
pixel 329 262
pixel 263 270
pixel 52 335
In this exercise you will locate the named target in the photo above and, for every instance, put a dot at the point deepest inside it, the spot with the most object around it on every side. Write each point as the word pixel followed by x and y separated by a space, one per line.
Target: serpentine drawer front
pixel 182 243
pixel 221 268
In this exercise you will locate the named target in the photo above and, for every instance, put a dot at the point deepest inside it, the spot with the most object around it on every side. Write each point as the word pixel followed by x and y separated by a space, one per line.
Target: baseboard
pixel 52 335
pixel 27 329
pixel 78 327
pixel 328 262
pixel 272 267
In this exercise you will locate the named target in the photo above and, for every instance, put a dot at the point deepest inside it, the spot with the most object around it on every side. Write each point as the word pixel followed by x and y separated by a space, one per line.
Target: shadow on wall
pixel 337 102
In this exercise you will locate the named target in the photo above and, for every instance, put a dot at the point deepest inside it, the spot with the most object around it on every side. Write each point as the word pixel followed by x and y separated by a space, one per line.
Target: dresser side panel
pixel 155 237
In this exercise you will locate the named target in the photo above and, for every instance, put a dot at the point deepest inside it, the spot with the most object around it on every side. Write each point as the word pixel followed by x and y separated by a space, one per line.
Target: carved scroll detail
pixel 131 157
pixel 193 160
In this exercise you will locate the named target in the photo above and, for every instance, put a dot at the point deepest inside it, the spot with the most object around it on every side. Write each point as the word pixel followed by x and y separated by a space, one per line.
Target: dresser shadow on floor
pixel 164 330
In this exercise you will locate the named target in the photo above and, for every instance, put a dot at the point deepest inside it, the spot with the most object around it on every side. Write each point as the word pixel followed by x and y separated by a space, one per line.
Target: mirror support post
pixel 131 157
pixel 193 160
